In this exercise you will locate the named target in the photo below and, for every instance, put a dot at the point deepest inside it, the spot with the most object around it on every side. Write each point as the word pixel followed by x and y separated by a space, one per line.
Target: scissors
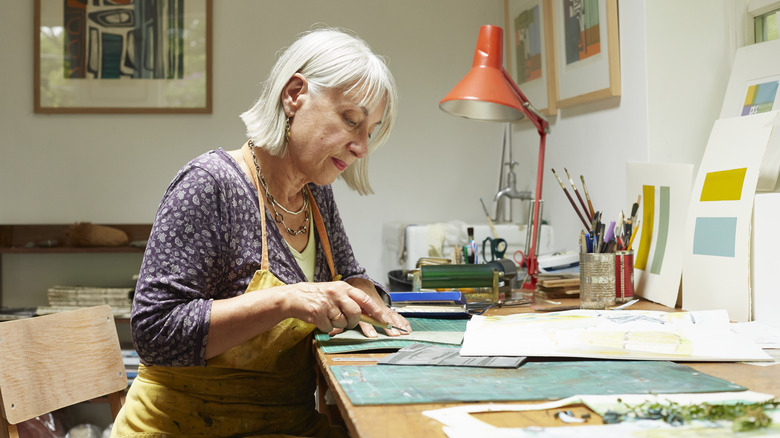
pixel 497 248
pixel 520 262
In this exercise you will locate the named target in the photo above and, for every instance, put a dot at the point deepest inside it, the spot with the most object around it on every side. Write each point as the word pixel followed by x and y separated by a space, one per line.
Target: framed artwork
pixel 587 50
pixel 107 56
pixel 530 52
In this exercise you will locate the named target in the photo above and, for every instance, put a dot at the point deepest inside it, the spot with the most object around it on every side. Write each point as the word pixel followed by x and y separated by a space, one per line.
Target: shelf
pixel 71 250
pixel 52 239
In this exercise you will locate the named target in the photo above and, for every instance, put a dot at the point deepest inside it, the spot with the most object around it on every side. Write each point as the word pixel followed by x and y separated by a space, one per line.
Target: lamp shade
pixel 484 92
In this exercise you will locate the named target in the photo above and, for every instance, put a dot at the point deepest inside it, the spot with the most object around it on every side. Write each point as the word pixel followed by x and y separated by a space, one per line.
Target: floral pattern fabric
pixel 205 245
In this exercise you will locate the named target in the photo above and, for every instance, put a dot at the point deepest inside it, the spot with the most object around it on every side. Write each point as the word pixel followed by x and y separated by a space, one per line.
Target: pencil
pixel 577 192
pixel 587 227
pixel 587 196
pixel 633 234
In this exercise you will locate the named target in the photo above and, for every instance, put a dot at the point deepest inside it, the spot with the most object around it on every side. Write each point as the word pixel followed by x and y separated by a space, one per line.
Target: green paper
pixel 387 384
pixel 426 330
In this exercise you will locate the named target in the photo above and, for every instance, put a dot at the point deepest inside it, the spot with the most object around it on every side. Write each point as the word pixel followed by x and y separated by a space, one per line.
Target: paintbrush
pixel 635 208
pixel 587 196
pixel 566 192
pixel 577 192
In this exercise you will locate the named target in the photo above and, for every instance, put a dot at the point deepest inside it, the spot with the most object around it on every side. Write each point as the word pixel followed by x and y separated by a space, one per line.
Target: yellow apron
pixel 238 393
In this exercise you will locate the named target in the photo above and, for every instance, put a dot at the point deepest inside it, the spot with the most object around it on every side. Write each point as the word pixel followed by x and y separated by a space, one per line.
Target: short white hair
pixel 329 59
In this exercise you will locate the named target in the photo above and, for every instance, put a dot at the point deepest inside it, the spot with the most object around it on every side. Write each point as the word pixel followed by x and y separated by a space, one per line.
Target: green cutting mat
pixel 383 342
pixel 387 384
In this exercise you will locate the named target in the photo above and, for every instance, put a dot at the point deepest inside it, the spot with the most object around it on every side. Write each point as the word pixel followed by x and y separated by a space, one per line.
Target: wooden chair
pixel 53 361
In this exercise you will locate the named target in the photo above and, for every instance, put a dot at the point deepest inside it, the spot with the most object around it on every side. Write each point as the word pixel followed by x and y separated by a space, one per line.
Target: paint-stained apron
pixel 262 387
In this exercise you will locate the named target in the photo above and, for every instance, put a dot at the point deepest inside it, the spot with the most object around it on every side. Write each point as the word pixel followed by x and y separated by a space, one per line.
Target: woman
pixel 220 361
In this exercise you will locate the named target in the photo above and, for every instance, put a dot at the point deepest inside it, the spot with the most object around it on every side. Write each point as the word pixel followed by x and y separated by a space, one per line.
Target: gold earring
pixel 287 129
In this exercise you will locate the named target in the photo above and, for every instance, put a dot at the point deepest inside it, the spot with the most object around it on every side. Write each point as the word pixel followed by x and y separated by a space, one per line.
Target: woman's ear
pixel 296 88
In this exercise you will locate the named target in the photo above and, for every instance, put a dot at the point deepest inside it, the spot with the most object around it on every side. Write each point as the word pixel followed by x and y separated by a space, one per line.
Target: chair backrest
pixel 53 361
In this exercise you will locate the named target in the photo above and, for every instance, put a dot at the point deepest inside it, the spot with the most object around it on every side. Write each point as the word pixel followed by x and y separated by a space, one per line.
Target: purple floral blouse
pixel 205 245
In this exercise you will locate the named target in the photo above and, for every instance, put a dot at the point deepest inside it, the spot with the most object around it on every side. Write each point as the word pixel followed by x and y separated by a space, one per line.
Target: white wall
pixel 675 63
pixel 689 61
pixel 596 139
pixel 114 168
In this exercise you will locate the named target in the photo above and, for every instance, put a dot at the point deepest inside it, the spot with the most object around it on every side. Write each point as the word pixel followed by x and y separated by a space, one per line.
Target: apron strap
pixel 250 163
pixel 318 222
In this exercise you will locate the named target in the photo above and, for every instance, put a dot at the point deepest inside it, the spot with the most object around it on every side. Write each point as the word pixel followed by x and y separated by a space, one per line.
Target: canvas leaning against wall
pixel 665 191
pixel 716 267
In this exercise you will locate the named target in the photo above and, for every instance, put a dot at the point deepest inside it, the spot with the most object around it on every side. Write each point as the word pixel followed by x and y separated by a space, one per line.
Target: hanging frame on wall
pixel 144 57
pixel 530 51
pixel 587 50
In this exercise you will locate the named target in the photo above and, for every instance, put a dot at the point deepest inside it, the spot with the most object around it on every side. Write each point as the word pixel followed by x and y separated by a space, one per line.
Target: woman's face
pixel 328 132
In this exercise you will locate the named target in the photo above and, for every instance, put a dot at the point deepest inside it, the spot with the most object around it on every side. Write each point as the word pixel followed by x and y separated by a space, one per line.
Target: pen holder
pixel 624 276
pixel 606 279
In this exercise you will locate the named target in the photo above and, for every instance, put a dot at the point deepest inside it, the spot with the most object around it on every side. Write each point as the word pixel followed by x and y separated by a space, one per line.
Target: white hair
pixel 328 59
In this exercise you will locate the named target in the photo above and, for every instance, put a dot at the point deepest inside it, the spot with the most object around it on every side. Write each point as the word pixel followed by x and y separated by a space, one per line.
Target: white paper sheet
pixel 613 334
pixel 755 63
pixel 659 280
pixel 458 421
pixel 764 335
pixel 765 258
pixel 716 265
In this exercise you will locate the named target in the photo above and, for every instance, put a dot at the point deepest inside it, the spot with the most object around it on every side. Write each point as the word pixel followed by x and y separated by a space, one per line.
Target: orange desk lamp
pixel 487 92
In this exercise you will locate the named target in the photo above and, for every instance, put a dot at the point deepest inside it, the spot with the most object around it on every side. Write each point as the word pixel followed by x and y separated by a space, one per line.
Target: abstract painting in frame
pixel 587 50
pixel 122 56
pixel 530 53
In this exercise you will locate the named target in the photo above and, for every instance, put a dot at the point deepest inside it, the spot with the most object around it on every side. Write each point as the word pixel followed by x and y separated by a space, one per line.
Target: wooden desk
pixel 393 421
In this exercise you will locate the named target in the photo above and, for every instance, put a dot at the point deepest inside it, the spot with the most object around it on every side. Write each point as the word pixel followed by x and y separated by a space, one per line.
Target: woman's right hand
pixel 330 306
pixel 333 305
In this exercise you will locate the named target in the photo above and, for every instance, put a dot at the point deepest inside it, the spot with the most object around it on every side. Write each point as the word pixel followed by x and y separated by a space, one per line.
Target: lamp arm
pixel 531 259
pixel 539 121
pixel 543 128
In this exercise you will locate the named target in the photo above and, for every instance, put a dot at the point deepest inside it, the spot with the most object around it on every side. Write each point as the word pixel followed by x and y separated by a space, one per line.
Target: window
pixel 765 26
pixel 764 15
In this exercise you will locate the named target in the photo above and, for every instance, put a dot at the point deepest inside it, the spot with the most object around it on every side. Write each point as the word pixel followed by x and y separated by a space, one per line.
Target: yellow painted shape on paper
pixel 626 343
pixel 648 215
pixel 750 96
pixel 725 185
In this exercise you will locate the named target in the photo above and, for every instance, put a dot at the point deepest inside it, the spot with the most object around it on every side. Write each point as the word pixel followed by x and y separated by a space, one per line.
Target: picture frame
pixel 530 51
pixel 587 53
pixel 100 57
